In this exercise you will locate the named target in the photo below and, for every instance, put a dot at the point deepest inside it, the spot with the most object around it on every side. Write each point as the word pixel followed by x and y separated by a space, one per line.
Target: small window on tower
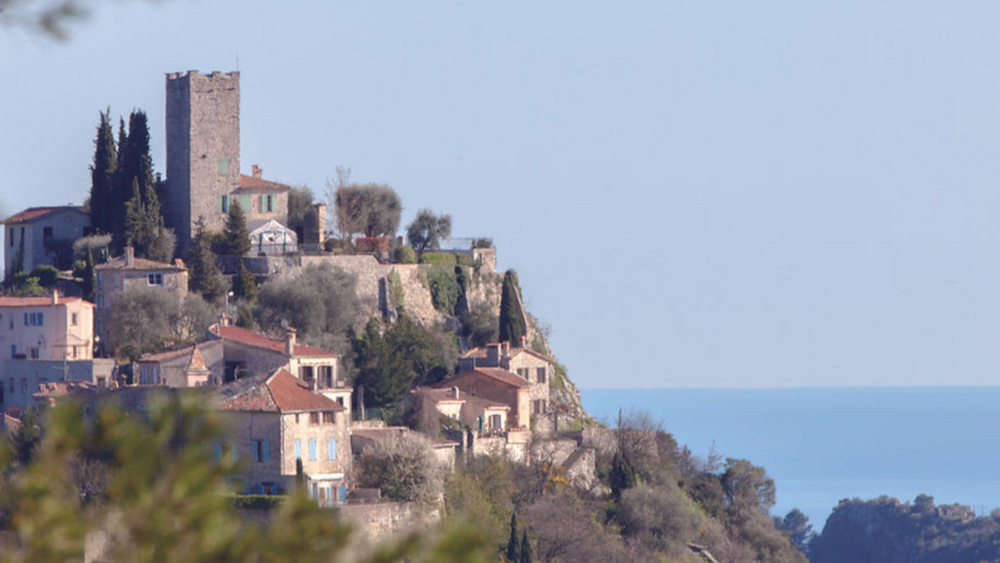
pixel 223 166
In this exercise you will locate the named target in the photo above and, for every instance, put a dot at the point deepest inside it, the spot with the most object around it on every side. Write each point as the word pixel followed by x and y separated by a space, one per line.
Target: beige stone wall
pixel 56 337
pixel 303 430
pixel 525 361
pixel 21 378
pixel 379 521
pixel 244 428
pixel 279 206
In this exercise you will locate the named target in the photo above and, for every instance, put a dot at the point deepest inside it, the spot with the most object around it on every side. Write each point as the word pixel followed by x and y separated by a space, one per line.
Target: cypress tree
pixel 102 172
pixel 135 195
pixel 513 548
pixel 622 476
pixel 203 276
pixel 120 194
pixel 89 280
pixel 244 285
pixel 236 235
pixel 524 556
pixel 512 326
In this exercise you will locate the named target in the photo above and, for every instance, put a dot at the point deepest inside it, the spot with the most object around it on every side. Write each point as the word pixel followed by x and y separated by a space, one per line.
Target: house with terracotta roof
pixel 46 328
pixel 247 353
pixel 531 366
pixel 477 413
pixel 127 271
pixel 35 234
pixel 191 366
pixel 278 419
pixel 498 386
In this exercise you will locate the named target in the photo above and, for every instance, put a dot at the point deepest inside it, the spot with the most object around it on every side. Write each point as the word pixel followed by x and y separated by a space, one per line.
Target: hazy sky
pixel 747 194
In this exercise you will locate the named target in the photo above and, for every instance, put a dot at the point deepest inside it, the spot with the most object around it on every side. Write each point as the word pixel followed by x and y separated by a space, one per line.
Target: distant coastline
pixel 823 444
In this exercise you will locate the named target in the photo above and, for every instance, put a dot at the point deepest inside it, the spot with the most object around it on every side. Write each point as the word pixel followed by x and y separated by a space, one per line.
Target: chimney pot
pixel 455 389
pixel 129 256
pixel 55 296
pixel 290 342
pixel 257 171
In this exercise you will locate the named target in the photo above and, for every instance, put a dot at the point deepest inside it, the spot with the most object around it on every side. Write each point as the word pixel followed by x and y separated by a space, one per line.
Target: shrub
pixel 444 288
pixel 397 295
pixel 402 467
pixel 47 275
pixel 404 255
pixel 439 259
pixel 266 502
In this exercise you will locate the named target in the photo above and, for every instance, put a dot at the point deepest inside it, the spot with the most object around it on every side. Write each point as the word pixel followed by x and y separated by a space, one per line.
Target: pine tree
pixel 512 326
pixel 524 556
pixel 236 235
pixel 513 548
pixel 203 276
pixel 26 438
pixel 244 285
pixel 102 172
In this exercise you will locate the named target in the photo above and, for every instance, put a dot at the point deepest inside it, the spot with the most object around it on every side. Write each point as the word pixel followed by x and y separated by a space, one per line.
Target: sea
pixel 821 445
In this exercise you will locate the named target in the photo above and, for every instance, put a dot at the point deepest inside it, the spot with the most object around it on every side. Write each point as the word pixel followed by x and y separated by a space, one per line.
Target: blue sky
pixel 763 194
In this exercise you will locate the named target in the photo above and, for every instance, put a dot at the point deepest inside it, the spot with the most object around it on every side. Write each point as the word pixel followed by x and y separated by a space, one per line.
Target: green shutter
pixel 223 164
pixel 218 202
pixel 260 203
pixel 245 203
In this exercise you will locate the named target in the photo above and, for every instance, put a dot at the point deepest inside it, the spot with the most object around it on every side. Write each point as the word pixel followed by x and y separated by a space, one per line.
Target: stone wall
pixel 21 378
pixel 378 521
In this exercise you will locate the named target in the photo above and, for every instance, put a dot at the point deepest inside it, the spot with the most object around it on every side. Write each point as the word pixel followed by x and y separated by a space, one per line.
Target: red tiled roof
pixel 515 351
pixel 445 394
pixel 474 353
pixel 495 374
pixel 38 301
pixel 167 355
pixel 282 392
pixel 260 184
pixel 32 213
pixel 138 264
pixel 256 339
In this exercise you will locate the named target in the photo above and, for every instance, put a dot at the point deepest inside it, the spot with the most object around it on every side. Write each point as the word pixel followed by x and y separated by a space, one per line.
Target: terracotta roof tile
pixel 282 392
pixel 38 301
pixel 256 339
pixel 495 374
pixel 259 184
pixel 32 213
pixel 138 264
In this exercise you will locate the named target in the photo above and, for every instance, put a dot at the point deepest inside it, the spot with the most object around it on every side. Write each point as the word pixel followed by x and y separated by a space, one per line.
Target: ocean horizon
pixel 824 444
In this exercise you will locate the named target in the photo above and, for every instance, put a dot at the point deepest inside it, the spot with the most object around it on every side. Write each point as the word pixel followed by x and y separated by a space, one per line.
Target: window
pixel 33 319
pixel 74 352
pixel 495 422
pixel 326 376
pixel 223 166
pixel 541 375
pixel 538 407
pixel 312 449
pixel 155 279
pixel 33 353
pixel 269 201
pixel 328 417
pixel 523 372
pixel 46 233
pixel 314 418
pixel 306 374
pixel 298 449
pixel 73 319
pixel 260 450
pixel 224 203
pixel 331 449
pixel 296 418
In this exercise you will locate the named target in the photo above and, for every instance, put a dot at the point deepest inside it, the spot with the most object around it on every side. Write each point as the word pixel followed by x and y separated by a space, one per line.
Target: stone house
pixel 481 415
pixel 21 379
pixel 46 328
pixel 40 231
pixel 498 386
pixel 277 420
pixel 247 353
pixel 534 367
pixel 191 366
pixel 127 271
pixel 443 451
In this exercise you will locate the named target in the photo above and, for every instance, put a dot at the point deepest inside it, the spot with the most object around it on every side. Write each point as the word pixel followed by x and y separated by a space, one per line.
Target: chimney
pixel 129 256
pixel 257 172
pixel 55 296
pixel 455 389
pixel 493 354
pixel 290 341
pixel 524 340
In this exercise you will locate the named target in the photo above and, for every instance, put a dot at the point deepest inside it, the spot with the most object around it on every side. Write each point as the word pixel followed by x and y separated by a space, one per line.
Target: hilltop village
pixel 382 375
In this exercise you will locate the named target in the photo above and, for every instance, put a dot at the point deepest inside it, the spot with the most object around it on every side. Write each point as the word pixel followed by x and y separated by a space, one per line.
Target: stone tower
pixel 203 149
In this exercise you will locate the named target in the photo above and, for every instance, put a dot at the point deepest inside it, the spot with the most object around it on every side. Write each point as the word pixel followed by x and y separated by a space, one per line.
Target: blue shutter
pixel 218 451
pixel 26 319
pixel 312 449
pixel 331 449
pixel 253 450
pixel 41 319
pixel 266 452
pixel 298 449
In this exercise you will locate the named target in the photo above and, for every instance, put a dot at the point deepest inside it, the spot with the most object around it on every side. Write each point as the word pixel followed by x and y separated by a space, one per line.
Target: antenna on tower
pixel 237 61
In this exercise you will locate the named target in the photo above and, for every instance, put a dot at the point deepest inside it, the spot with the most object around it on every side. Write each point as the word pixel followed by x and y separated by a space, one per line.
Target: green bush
pixel 397 295
pixel 444 288
pixel 439 259
pixel 404 255
pixel 47 275
pixel 258 501
pixel 79 268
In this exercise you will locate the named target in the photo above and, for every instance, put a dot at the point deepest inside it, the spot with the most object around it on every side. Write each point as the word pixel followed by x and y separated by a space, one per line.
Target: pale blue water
pixel 821 445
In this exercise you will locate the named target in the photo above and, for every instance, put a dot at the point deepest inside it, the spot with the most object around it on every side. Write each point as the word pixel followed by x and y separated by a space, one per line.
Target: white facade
pixel 46 328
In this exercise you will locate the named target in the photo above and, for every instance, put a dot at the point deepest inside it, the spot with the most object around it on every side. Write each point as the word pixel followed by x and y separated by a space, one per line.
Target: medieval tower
pixel 203 150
